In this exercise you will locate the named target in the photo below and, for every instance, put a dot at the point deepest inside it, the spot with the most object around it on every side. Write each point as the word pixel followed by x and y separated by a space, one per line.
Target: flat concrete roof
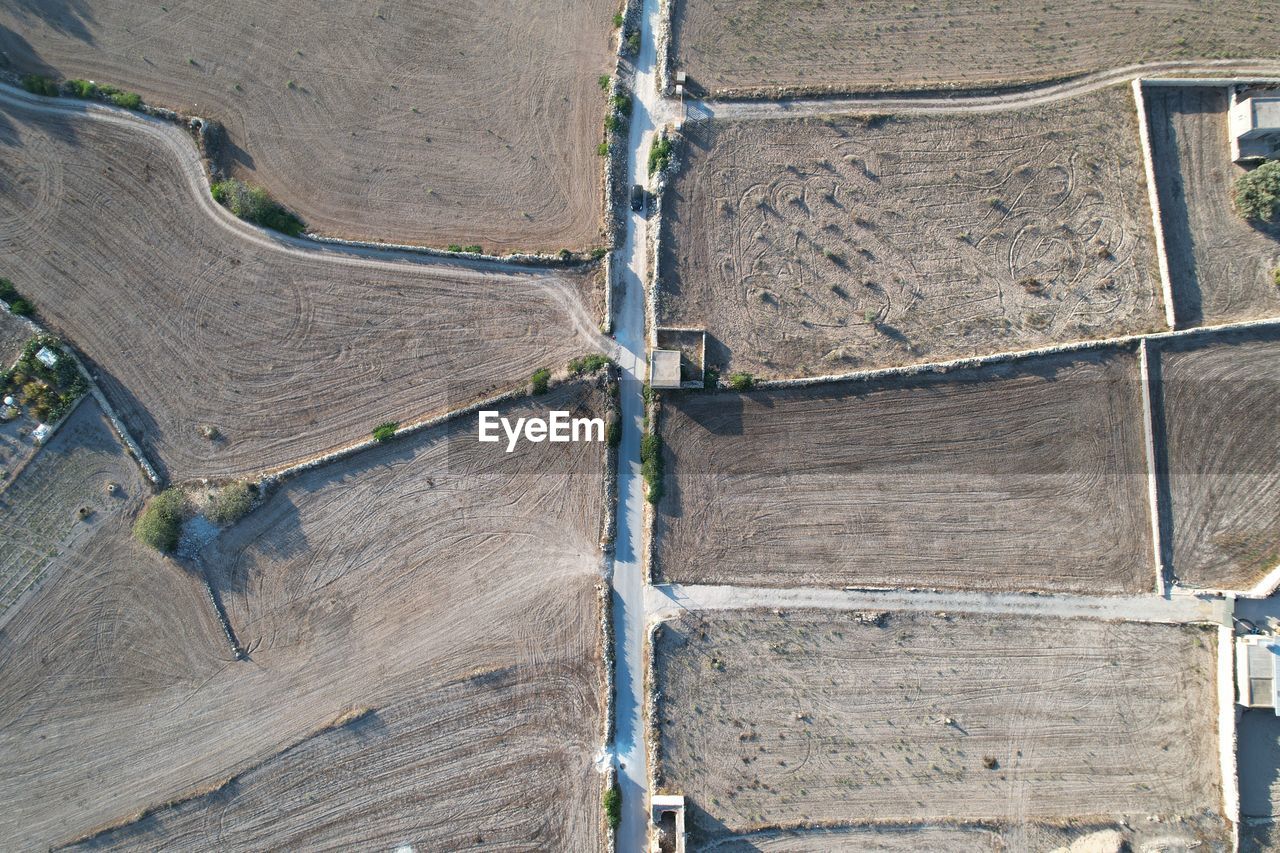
pixel 664 368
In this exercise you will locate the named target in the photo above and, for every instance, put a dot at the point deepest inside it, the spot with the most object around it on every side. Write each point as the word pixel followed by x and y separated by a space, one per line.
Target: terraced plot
pixel 812 247
pixel 195 323
pixel 1028 475
pixel 431 123
pixel 847 46
pixel 1218 437
pixel 1221 267
pixel 446 586
pixel 806 719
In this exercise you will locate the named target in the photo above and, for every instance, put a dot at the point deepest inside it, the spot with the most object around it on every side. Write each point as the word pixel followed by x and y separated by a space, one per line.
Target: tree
pixel 1257 193
pixel 160 524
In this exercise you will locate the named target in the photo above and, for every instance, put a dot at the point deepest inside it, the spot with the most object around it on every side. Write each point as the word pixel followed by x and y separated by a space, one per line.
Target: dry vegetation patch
pixel 409 121
pixel 808 718
pixel 1029 475
pixel 846 45
pixel 446 585
pixel 227 355
pixel 1221 267
pixel 1219 427
pixel 811 246
pixel 13 335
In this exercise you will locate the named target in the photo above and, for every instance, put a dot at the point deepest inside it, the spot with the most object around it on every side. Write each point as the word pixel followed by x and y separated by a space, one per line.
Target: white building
pixel 1254 126
pixel 664 368
pixel 1257 675
pixel 47 357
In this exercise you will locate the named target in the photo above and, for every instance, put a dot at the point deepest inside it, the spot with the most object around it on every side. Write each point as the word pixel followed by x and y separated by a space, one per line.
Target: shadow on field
pixel 67 17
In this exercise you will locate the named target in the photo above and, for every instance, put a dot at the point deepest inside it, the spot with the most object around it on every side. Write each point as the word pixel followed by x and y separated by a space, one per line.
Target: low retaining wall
pixel 1153 199
pixel 1227 734
pixel 1149 446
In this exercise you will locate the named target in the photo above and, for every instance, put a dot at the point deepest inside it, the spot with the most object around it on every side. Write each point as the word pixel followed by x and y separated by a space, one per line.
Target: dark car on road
pixel 637 197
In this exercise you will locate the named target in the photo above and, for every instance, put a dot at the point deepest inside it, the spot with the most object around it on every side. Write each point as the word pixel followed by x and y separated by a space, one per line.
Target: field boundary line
pixel 994 98
pixel 1153 199
pixel 965 362
pixel 670 599
pixel 1149 448
pixel 1227 735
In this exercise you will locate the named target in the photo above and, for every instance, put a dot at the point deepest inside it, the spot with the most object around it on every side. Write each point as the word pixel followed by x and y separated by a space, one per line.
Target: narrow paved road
pixel 629 581
pixel 1018 98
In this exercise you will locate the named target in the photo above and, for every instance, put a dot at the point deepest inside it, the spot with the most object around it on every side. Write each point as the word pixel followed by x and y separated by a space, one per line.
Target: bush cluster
pixel 659 154
pixel 539 381
pixel 742 381
pixel 613 431
pixel 385 431
pixel 253 204
pixel 1257 192
pixel 651 466
pixel 231 503
pixel 613 806
pixel 587 364
pixel 48 391
pixel 18 305
pixel 38 84
pixel 160 524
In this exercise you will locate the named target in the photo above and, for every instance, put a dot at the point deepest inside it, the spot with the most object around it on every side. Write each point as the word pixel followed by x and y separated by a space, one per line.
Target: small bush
pixel 613 806
pixel 617 19
pixel 385 431
pixel 475 250
pixel 651 466
pixel 659 155
pixel 587 364
pixel 539 381
pixel 633 43
pixel 454 247
pixel 611 122
pixel 710 379
pixel 131 101
pixel 613 432
pixel 38 84
pixel 870 316
pixel 604 80
pixel 22 307
pixel 621 103
pixel 8 292
pixel 742 381
pixel 1256 194
pixel 253 204
pixel 160 524
pixel 1275 276
pixel 603 149
pixel 82 89
pixel 230 504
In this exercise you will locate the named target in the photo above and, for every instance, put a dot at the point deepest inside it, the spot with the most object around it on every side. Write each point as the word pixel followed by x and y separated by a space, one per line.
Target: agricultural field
pixel 853 46
pixel 805 719
pixel 404 121
pixel 814 246
pixel 1221 266
pixel 422 632
pixel 1028 475
pixel 227 352
pixel 1217 433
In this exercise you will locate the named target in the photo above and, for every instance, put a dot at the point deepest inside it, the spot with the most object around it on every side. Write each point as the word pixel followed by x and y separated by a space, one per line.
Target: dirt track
pixel 1023 476
pixel 1220 427
pixel 1221 267
pixel 405 121
pixel 850 46
pixel 810 246
pixel 287 353
pixel 450 588
pixel 812 718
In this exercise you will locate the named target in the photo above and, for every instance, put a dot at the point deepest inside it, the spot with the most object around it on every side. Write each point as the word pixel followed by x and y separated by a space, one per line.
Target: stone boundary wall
pixel 1227 734
pixel 1149 448
pixel 664 58
pixel 1153 199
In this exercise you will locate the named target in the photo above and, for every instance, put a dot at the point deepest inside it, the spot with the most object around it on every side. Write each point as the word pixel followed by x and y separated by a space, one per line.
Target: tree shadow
pixel 66 17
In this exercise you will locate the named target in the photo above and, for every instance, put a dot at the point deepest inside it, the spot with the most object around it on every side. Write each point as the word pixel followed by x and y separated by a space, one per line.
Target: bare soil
pixel 14 335
pixel 1026 475
pixel 1221 266
pixel 1218 431
pixel 287 353
pixel 446 585
pixel 810 246
pixel 806 718
pixel 847 46
pixel 405 121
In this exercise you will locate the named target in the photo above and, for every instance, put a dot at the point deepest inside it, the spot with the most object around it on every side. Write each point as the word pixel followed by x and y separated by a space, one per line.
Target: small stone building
pixel 1254 125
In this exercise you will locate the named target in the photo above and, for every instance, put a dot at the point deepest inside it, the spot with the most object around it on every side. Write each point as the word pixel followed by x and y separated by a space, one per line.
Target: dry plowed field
pixel 409 121
pixel 447 587
pixel 809 718
pixel 809 247
pixel 193 321
pixel 1028 475
pixel 844 45
pixel 1220 266
pixel 1218 431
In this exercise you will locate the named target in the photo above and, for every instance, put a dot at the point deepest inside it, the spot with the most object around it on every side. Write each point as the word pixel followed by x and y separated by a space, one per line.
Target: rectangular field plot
pixel 422 630
pixel 806 719
pixel 415 121
pixel 1218 430
pixel 229 352
pixel 1221 267
pixel 818 246
pixel 1026 475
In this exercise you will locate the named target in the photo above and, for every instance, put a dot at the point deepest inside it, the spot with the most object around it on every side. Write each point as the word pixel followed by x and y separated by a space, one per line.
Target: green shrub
pixel 710 379
pixel 22 307
pixel 539 381
pixel 475 250
pixel 621 103
pixel 253 204
pixel 633 43
pixel 617 19
pixel 613 432
pixel 82 89
pixel 604 80
pixel 128 100
pixel 230 504
pixel 385 431
pixel 611 122
pixel 603 149
pixel 1275 276
pixel 160 524
pixel 38 84
pixel 613 806
pixel 8 292
pixel 651 466
pixel 742 381
pixel 659 155
pixel 1257 193
pixel 587 364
